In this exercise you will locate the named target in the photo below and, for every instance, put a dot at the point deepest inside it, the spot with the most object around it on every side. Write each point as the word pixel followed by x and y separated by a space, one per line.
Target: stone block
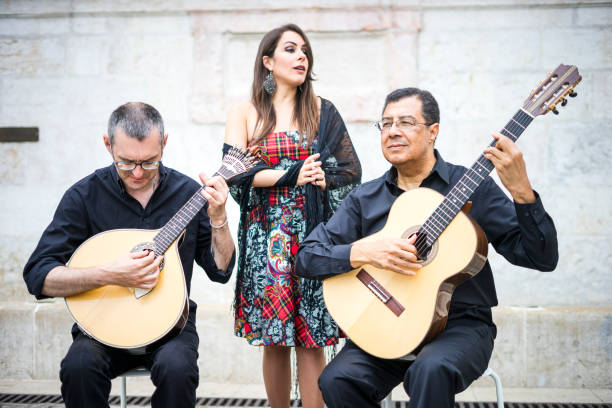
pixel 580 211
pixel 89 24
pixel 583 266
pixel 30 27
pixel 31 57
pixel 192 148
pixel 580 150
pixel 87 55
pixel 600 103
pixel 492 19
pixel 401 63
pixel 140 54
pixel 235 55
pixel 366 140
pixel 466 50
pixel 15 252
pixel 104 6
pixel 11 170
pixel 508 359
pixel 17 341
pixel 224 357
pixel 565 350
pixel 579 279
pixel 170 24
pixel 593 16
pixel 35 7
pixel 52 323
pixel 589 47
pixel 318 19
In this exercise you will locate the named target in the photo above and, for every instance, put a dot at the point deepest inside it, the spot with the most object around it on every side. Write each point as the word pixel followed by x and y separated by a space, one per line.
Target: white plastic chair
pixel 388 403
pixel 137 372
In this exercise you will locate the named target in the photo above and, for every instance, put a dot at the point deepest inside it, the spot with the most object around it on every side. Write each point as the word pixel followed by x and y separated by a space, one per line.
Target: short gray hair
pixel 136 119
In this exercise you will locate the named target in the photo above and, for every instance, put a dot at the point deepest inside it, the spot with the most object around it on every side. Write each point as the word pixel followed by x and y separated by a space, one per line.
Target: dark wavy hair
pixel 431 111
pixel 305 112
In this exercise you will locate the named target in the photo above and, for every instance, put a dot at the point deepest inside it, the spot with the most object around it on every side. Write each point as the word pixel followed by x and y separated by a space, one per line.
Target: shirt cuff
pixel 530 212
pixel 341 259
pixel 40 279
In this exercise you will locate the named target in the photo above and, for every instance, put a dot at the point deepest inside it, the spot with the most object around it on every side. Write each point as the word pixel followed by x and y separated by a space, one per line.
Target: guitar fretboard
pixel 469 182
pixel 177 224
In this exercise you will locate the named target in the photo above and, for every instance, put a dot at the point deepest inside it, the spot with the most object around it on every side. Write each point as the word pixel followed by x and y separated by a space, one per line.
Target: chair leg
pixel 123 392
pixel 387 402
pixel 498 387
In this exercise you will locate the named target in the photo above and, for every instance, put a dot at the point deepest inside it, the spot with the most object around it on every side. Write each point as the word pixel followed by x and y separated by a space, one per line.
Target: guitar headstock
pixel 553 90
pixel 237 161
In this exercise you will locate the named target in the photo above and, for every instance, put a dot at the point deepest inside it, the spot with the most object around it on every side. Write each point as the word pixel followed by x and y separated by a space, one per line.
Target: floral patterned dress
pixel 274 306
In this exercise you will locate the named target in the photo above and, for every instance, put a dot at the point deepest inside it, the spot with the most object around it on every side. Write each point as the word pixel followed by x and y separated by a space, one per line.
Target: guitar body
pixel 458 254
pixel 113 314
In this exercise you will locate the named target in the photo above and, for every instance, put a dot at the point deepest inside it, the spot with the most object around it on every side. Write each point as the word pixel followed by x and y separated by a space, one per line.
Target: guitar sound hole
pixel 149 247
pixel 423 249
pixel 425 253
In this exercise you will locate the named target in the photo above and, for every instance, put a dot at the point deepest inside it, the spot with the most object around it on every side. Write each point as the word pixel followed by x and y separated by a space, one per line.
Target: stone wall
pixel 65 65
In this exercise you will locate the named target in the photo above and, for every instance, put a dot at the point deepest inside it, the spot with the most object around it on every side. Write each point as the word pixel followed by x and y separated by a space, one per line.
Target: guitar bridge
pixel 380 292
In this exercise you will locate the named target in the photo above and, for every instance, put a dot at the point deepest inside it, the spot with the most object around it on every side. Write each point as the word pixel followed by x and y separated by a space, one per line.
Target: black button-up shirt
pixel 99 202
pixel 523 233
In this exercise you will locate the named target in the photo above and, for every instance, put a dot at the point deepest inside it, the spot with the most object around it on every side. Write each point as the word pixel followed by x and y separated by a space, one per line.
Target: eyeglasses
pixel 403 124
pixel 146 165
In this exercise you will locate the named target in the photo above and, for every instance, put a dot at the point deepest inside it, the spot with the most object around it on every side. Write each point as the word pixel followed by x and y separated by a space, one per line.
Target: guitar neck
pixel 469 182
pixel 177 224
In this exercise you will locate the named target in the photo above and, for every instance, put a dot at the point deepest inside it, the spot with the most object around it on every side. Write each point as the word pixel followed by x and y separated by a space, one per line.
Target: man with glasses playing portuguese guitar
pixel 136 191
pixel 521 231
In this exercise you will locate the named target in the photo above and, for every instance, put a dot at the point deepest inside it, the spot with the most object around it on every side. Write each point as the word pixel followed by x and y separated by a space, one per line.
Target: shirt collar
pixel 441 168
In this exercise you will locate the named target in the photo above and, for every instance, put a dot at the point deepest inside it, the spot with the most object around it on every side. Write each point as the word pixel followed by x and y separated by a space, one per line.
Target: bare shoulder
pixel 240 110
pixel 241 119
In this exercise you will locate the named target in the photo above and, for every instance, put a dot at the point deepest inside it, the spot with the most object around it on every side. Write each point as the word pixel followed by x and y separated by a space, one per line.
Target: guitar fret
pixel 458 190
pixel 468 184
pixel 437 230
pixel 441 215
pixel 457 201
pixel 518 123
pixel 479 171
pixel 448 214
pixel 509 134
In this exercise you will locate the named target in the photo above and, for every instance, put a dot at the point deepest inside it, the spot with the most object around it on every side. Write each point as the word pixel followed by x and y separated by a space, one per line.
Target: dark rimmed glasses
pixel 146 165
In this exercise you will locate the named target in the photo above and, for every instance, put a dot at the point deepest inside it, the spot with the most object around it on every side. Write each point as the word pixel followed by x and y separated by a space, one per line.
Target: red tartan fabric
pixel 277 146
pixel 271 311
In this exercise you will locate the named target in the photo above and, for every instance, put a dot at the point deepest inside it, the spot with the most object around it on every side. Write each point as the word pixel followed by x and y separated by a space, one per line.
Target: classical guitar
pixel 133 318
pixel 390 315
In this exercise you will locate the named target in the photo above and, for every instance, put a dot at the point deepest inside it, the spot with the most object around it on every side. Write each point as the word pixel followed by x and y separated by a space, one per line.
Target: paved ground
pixel 141 386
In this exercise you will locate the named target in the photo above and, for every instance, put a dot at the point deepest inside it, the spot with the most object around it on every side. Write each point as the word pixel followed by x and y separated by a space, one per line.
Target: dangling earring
pixel 270 84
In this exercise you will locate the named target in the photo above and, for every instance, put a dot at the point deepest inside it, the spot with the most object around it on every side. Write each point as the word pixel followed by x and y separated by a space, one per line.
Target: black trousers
pixel 89 366
pixel 444 367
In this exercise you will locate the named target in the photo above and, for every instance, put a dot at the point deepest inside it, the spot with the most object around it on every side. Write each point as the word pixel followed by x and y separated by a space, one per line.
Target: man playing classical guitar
pixel 136 191
pixel 521 231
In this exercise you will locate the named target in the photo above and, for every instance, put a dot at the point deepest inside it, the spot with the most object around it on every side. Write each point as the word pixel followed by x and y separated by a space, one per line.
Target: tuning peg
pixel 563 102
pixel 555 111
pixel 573 94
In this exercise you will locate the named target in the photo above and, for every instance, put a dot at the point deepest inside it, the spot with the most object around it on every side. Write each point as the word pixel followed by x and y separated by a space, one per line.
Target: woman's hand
pixel 311 170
